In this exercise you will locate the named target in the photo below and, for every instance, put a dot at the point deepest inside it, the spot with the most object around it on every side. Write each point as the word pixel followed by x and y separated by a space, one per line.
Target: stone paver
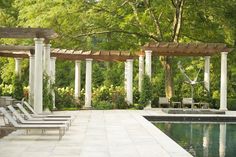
pixel 112 133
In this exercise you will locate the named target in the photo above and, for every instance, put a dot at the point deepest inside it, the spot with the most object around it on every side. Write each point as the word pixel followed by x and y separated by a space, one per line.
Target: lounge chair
pixel 164 101
pixel 189 102
pixel 23 121
pixel 34 114
pixel 28 127
pixel 29 117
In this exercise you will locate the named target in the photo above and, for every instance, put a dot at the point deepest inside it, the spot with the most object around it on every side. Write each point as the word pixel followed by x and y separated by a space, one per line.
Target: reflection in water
pixel 203 140
pixel 222 140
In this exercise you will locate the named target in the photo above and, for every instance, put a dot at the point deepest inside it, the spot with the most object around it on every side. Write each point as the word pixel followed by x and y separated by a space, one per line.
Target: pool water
pixel 203 139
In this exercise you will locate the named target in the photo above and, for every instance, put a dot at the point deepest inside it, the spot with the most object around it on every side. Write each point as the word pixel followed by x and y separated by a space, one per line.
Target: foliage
pixel 146 94
pixel 47 93
pixel 110 94
pixel 139 106
pixel 124 25
pixel 103 105
pixel 7 90
pixel 64 98
pixel 17 91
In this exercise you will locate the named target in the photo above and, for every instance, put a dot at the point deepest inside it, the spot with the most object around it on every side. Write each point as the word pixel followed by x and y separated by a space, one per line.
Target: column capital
pixel 18 58
pixel 129 60
pixel 89 59
pixel 39 40
pixel 53 58
pixel 148 51
pixel 31 55
pixel 47 45
pixel 224 53
pixel 77 61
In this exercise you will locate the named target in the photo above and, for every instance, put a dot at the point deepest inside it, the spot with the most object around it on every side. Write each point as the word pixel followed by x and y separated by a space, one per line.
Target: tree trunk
pixel 169 86
pixel 168 77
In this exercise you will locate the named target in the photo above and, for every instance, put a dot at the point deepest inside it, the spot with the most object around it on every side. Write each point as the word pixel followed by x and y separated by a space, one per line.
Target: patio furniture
pixel 29 117
pixel 61 128
pixel 34 114
pixel 164 101
pixel 204 105
pixel 189 102
pixel 23 121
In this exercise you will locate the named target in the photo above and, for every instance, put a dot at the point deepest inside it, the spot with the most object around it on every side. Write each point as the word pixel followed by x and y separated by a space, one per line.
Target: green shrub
pixel 114 95
pixel 103 105
pixel 7 90
pixel 138 106
pixel 136 95
pixel 146 94
pixel 232 104
pixel 17 91
pixel 65 98
pixel 47 93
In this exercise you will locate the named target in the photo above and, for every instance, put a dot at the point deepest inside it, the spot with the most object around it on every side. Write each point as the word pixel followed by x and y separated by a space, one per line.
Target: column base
pixel 148 107
pixel 87 108
pixel 223 109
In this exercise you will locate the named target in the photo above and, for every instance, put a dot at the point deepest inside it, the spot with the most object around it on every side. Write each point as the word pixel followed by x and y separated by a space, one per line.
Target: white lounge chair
pixel 164 101
pixel 28 127
pixel 189 102
pixel 34 114
pixel 29 117
pixel 23 121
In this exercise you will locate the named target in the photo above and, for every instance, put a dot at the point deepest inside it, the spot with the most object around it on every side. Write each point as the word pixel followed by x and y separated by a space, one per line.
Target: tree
pixel 146 91
pixel 17 92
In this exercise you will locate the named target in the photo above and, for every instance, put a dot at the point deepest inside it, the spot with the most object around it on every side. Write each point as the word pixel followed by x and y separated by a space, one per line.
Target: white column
pixel 148 65
pixel 88 83
pixel 18 66
pixel 207 73
pixel 129 93
pixel 223 81
pixel 53 77
pixel 38 77
pixel 77 79
pixel 222 140
pixel 31 79
pixel 46 60
pixel 140 72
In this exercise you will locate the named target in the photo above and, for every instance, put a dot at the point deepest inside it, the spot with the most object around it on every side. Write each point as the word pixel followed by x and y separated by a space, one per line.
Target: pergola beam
pixel 27 33
pixel 189 49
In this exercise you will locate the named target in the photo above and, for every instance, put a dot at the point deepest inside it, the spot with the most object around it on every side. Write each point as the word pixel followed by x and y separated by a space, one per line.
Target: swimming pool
pixel 203 139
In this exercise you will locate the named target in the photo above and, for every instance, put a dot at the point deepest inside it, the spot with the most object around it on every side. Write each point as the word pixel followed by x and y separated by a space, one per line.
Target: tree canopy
pixel 127 25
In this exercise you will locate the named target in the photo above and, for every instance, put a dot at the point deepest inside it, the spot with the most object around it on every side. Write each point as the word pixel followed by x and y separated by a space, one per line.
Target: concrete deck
pixel 113 133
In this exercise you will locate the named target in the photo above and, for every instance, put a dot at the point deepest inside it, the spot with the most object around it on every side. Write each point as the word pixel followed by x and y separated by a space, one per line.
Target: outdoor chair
pixel 29 117
pixel 34 114
pixel 164 101
pixel 189 102
pixel 28 127
pixel 23 121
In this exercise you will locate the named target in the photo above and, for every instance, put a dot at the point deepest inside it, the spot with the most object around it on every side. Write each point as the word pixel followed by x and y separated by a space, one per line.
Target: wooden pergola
pixel 186 49
pixel 47 34
pixel 65 54
pixel 190 49
pixel 42 49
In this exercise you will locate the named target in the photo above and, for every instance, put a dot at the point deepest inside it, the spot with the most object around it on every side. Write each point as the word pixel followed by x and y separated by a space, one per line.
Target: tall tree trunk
pixel 169 85
pixel 168 77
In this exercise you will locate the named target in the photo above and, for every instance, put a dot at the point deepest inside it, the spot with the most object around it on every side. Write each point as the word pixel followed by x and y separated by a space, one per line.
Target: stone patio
pixel 94 133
